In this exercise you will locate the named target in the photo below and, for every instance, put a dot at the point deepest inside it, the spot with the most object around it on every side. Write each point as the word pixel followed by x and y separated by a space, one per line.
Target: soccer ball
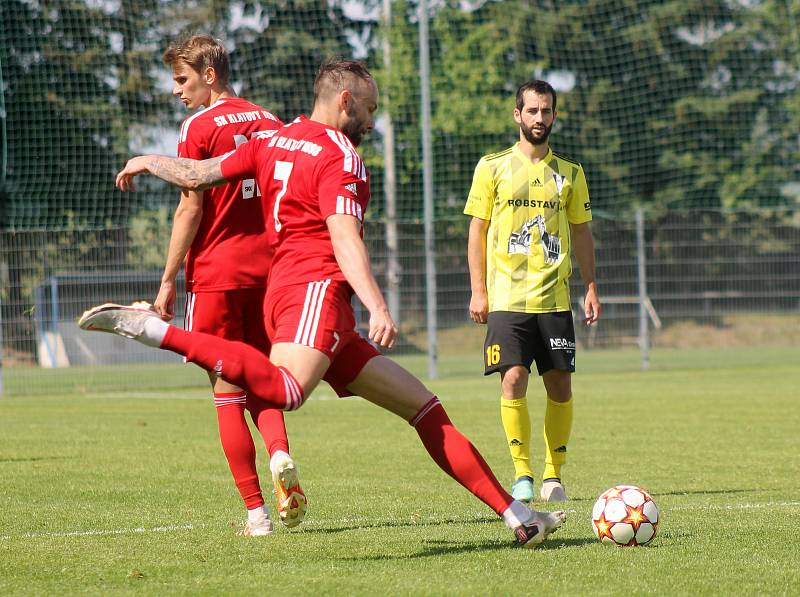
pixel 625 515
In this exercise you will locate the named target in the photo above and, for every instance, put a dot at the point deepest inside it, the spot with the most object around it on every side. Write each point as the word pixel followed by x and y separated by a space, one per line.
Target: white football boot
pixel 538 528
pixel 553 491
pixel 128 321
pixel 260 527
pixel 291 500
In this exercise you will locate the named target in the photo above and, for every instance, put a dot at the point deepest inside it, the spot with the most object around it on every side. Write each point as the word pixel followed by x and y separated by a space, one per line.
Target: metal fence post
pixel 1 347
pixel 390 181
pixel 644 337
pixel 427 187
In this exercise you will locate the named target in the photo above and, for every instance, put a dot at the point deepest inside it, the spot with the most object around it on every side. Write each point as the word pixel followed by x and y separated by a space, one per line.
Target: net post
pixel 393 271
pixel 644 338
pixel 1 349
pixel 427 188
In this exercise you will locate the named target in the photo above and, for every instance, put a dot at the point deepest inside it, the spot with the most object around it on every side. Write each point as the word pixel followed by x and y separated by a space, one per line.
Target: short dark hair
pixel 199 52
pixel 336 73
pixel 537 86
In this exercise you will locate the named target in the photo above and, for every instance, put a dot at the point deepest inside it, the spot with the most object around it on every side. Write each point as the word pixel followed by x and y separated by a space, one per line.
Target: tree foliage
pixel 668 104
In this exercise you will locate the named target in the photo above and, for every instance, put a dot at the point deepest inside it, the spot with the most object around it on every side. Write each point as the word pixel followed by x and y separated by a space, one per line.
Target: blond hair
pixel 200 52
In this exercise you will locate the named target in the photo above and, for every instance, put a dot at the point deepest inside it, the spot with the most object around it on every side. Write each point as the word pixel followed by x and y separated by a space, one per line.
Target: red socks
pixel 237 443
pixel 456 456
pixel 239 364
pixel 270 424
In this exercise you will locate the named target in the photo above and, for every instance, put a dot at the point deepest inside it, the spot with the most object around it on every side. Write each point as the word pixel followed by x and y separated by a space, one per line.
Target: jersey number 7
pixel 282 172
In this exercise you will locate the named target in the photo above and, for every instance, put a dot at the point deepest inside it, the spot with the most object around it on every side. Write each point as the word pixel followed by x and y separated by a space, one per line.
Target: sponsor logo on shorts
pixel 218 368
pixel 561 344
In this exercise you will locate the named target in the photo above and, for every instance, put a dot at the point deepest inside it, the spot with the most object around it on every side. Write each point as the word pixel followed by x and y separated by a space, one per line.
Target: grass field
pixel 128 492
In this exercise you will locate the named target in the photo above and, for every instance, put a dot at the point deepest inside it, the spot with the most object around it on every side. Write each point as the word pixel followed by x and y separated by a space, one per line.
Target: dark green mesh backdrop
pixel 688 109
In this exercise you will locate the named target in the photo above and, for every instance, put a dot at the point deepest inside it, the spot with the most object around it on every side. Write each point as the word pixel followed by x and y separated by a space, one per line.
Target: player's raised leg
pixel 386 384
pixel 235 362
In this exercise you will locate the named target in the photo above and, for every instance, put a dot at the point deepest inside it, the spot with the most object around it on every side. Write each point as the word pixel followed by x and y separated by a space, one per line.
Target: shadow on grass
pixel 440 548
pixel 393 524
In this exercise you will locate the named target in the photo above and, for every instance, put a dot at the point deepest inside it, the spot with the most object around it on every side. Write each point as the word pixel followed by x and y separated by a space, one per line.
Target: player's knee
pixel 515 381
pixel 559 385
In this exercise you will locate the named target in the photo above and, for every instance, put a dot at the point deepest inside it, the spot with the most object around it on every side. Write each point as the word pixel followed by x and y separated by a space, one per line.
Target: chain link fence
pixel 686 109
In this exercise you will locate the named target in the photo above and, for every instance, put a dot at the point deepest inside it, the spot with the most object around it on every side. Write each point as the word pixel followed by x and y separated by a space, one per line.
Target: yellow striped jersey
pixel 530 207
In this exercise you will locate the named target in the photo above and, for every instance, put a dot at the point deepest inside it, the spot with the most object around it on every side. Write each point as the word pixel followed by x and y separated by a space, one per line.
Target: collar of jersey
pixel 306 119
pixel 543 162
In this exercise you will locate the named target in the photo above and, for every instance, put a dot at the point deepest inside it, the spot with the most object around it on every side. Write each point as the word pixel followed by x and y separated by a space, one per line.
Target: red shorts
pixel 230 314
pixel 319 315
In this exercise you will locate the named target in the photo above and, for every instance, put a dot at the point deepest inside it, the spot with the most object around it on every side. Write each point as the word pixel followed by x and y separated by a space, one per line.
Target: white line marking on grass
pixel 736 506
pixel 468 518
pixel 99 532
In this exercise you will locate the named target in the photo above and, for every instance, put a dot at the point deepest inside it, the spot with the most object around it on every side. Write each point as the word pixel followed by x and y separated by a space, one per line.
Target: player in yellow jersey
pixel 530 210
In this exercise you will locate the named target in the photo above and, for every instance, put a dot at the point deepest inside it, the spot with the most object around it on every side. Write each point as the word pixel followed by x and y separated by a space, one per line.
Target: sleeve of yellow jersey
pixel 481 195
pixel 579 208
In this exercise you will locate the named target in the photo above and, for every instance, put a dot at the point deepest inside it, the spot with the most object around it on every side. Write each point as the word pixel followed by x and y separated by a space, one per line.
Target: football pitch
pixel 129 493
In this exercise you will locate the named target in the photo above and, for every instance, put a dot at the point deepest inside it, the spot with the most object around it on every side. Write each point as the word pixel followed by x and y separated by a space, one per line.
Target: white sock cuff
pixel 256 515
pixel 154 331
pixel 517 514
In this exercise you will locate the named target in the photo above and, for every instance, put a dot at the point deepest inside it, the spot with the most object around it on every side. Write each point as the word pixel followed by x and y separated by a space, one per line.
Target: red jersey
pixel 307 171
pixel 230 249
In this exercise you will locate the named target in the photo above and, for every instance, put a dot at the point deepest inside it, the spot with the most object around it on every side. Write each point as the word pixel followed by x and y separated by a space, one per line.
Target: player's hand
pixel 479 307
pixel 164 304
pixel 382 329
pixel 137 165
pixel 591 305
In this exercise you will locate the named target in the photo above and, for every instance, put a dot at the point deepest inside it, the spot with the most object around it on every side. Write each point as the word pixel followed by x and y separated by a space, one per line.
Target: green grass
pixel 129 493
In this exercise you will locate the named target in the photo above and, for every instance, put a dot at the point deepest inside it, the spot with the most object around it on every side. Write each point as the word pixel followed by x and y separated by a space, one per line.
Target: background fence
pixel 686 110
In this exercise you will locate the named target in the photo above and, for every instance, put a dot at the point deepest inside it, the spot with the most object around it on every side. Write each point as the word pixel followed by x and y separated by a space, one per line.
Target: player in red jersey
pixel 221 234
pixel 316 191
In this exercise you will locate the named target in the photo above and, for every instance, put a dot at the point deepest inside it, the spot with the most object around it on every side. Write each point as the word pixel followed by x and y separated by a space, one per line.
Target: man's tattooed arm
pixel 193 175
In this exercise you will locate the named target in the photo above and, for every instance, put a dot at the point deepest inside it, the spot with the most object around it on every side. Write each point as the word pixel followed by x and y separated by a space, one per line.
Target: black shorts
pixel 521 338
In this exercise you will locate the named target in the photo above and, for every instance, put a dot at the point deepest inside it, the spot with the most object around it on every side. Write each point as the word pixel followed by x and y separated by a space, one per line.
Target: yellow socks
pixel 557 428
pixel 517 425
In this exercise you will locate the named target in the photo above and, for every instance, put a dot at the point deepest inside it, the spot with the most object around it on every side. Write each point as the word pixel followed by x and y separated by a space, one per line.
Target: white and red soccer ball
pixel 625 515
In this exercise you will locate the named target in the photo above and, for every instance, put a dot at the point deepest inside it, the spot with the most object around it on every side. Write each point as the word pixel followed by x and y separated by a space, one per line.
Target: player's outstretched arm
pixel 353 259
pixel 192 175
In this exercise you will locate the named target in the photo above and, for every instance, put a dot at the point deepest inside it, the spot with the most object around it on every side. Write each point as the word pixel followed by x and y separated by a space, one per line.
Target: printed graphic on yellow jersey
pixel 519 242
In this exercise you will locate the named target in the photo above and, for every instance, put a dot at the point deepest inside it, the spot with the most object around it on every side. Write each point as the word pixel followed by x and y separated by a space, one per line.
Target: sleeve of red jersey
pixel 191 143
pixel 242 162
pixel 339 188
